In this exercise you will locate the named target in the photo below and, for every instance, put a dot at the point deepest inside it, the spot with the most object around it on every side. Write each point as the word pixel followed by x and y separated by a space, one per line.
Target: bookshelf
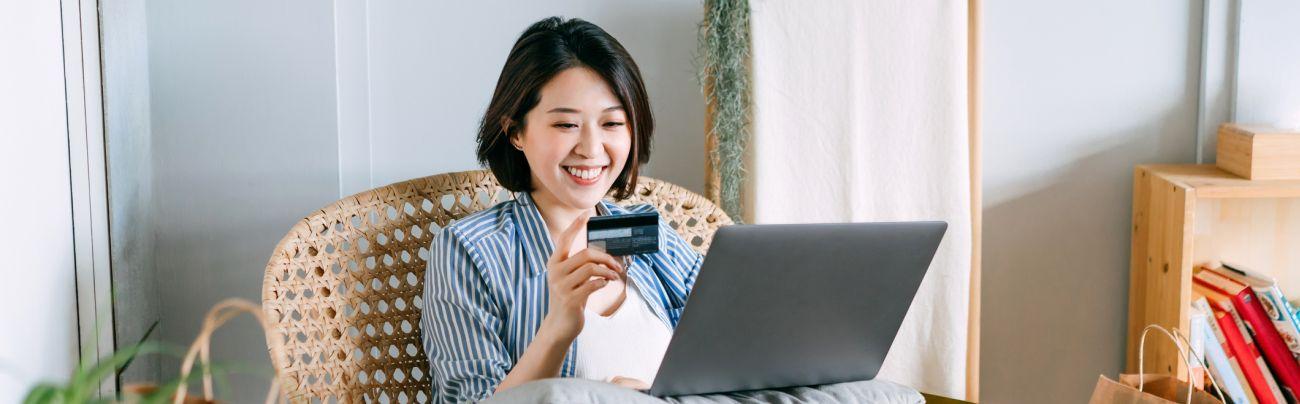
pixel 1187 215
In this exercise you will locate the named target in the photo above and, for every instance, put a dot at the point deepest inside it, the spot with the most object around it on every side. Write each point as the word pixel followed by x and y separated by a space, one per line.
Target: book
pixel 1251 363
pixel 1275 304
pixel 1198 371
pixel 1223 365
pixel 1259 326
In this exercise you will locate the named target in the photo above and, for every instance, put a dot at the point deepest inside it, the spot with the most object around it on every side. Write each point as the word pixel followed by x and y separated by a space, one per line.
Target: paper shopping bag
pixel 1156 389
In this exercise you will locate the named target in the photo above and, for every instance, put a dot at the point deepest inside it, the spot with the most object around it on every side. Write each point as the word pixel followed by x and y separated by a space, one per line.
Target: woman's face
pixel 576 139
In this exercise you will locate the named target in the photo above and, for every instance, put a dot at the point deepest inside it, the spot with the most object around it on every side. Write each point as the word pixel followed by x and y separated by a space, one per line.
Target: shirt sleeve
pixel 460 324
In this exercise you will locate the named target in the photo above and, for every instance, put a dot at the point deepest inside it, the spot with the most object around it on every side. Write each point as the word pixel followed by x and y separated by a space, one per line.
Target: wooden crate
pixel 1188 215
pixel 1258 152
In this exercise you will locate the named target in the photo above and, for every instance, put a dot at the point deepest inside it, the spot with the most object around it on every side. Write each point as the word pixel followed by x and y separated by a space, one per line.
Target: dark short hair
pixel 545 49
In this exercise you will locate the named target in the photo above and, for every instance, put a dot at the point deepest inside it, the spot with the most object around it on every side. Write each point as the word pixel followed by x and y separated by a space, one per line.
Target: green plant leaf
pixel 44 394
pixel 86 381
pixel 143 338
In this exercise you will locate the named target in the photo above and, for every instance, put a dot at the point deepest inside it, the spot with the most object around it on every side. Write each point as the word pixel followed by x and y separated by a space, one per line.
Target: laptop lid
pixel 796 305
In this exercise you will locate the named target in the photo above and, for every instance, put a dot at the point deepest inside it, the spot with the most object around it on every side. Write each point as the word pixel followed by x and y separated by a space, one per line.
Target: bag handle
pixel 1184 351
pixel 216 317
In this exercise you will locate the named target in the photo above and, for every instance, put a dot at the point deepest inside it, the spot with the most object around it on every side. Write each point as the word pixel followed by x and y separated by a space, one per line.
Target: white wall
pixel 129 148
pixel 1268 89
pixel 1074 97
pixel 244 145
pixel 38 294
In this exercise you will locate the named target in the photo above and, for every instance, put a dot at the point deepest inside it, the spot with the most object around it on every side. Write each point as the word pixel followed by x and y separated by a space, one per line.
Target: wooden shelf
pixel 1208 181
pixel 1188 215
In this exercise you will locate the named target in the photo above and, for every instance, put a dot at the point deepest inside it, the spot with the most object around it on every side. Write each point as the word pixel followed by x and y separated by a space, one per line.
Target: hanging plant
pixel 724 76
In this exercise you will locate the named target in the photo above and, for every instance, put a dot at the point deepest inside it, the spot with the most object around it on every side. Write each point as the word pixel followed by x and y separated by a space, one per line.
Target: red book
pixel 1267 339
pixel 1253 369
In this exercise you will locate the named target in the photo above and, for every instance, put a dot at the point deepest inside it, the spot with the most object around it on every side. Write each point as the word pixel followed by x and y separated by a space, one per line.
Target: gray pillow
pixel 578 391
pixel 571 390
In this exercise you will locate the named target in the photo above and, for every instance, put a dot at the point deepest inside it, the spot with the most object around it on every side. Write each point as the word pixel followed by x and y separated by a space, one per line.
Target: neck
pixel 557 216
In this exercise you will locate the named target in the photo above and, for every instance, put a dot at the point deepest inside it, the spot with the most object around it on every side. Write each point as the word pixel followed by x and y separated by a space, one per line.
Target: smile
pixel 584 175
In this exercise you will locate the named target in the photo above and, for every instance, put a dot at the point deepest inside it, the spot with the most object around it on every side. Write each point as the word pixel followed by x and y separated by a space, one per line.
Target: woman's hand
pixel 571 279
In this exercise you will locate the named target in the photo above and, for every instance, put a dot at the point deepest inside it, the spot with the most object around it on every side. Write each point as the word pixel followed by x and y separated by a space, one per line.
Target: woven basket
pixel 342 289
pixel 201 348
pixel 200 353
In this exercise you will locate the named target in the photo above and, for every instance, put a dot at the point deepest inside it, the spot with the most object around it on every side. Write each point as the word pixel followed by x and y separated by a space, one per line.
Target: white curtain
pixel 860 115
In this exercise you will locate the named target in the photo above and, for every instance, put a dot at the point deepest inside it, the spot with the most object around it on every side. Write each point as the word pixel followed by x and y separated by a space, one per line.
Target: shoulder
pixel 475 227
pixel 465 248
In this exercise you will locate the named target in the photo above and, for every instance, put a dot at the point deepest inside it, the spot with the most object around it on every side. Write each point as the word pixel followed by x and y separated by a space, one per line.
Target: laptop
pixel 796 305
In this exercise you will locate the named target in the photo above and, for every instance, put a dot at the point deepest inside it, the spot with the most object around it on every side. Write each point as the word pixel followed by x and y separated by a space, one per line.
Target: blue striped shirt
pixel 485 292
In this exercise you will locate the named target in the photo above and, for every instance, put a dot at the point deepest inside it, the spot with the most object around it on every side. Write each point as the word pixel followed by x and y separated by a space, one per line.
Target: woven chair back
pixel 342 289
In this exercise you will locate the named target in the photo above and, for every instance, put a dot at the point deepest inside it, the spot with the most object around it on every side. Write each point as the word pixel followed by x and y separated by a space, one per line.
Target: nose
pixel 590 143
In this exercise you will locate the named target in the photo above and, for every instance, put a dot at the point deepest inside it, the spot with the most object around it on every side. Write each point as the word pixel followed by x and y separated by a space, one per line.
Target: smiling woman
pixel 568 124
pixel 579 78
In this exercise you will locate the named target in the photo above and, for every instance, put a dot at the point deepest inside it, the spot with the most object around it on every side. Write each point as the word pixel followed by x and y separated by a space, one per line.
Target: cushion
pixel 573 390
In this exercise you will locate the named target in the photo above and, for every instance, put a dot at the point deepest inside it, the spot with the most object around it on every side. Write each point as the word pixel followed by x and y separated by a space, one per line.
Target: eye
pixel 565 125
pixel 614 124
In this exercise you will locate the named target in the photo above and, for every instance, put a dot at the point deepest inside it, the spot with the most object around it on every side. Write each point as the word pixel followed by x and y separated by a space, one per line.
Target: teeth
pixel 584 174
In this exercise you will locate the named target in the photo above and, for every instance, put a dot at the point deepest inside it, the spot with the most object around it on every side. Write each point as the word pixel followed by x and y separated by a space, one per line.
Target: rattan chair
pixel 341 290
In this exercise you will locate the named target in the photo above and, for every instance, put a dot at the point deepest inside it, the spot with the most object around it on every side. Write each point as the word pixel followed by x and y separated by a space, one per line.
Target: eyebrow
pixel 567 110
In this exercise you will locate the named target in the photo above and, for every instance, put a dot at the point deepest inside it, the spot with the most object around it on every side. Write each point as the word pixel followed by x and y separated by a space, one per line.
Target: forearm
pixel 541 360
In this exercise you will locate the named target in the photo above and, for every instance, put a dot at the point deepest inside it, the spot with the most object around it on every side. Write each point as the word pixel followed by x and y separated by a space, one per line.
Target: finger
pixel 595 256
pixel 587 288
pixel 566 239
pixel 588 271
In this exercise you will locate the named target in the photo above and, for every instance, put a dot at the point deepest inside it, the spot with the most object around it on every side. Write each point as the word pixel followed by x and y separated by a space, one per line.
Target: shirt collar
pixel 537 237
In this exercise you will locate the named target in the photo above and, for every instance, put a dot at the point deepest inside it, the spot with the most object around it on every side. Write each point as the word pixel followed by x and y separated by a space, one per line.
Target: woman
pixel 512 294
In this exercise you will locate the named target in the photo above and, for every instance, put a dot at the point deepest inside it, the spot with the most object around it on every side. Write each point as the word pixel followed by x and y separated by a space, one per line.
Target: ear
pixel 516 142
pixel 507 126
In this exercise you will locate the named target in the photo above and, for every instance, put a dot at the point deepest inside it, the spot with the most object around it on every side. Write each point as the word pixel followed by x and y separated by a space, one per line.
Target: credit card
pixel 621 235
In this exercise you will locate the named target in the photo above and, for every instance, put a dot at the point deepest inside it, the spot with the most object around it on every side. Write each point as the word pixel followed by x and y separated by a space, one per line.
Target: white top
pixel 629 343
